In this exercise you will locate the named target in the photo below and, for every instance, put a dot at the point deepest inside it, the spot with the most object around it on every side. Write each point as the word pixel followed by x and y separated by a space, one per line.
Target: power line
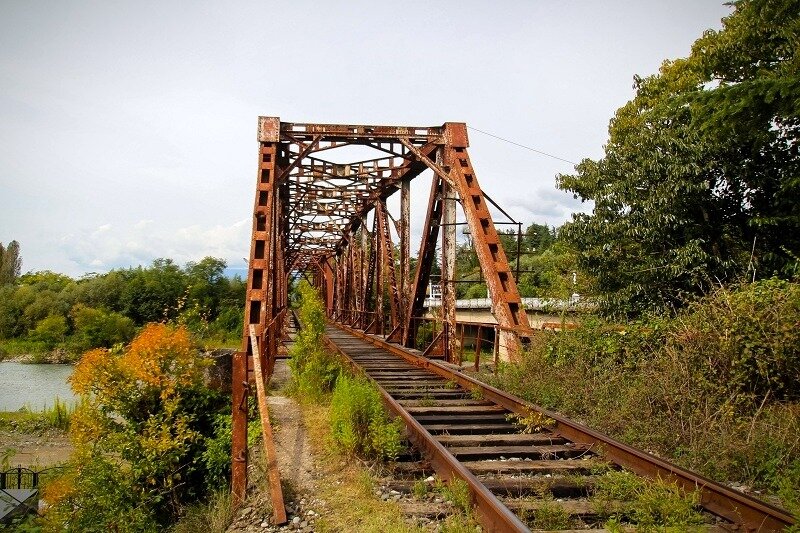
pixel 523 146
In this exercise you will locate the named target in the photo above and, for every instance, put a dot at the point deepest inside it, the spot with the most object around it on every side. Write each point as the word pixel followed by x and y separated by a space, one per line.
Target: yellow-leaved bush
pixel 138 433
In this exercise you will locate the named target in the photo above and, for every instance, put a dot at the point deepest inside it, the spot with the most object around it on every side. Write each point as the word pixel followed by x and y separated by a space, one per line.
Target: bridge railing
pixel 474 341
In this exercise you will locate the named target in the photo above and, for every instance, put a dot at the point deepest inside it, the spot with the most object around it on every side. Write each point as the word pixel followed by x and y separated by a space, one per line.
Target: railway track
pixel 506 449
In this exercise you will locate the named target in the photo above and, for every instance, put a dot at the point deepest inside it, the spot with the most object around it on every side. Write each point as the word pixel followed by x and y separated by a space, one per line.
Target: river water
pixel 33 386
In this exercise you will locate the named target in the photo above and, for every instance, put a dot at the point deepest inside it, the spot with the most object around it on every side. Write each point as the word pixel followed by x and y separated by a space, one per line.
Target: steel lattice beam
pixel 311 216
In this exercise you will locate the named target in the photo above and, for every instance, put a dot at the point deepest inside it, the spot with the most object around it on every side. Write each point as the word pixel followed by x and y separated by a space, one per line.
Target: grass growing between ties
pixel 549 516
pixel 622 496
pixel 713 388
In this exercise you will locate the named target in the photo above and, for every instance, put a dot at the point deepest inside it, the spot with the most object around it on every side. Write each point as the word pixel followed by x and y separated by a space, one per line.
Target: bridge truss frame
pixel 311 215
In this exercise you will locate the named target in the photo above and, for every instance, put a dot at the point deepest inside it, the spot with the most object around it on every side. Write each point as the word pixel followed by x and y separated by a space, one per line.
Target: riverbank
pixel 52 358
pixel 34 440
pixel 29 352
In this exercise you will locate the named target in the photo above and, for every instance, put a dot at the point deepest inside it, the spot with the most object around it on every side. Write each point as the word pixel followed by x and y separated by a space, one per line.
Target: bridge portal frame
pixel 310 216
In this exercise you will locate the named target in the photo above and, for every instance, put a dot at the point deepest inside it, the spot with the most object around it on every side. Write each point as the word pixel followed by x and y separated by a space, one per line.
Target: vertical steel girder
pixel 309 219
pixel 387 252
pixel 448 304
pixel 265 299
pixel 425 259
pixel 506 301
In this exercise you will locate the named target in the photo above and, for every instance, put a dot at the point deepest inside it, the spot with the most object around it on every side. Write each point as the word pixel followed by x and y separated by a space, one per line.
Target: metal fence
pixel 23 478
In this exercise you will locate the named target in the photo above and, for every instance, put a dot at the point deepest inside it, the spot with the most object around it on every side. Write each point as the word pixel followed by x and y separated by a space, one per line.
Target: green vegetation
pixel 645 503
pixel 50 316
pixel 548 516
pixel 213 516
pixel 10 263
pixel 347 486
pixel 546 264
pixel 714 388
pixel 360 424
pixel 699 184
pixel 314 369
pixel 139 433
pixel 531 422
pixel 691 253
pixel 457 492
pixel 35 422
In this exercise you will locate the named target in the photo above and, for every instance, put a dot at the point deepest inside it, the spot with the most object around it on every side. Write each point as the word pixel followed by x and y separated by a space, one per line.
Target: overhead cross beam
pixel 311 218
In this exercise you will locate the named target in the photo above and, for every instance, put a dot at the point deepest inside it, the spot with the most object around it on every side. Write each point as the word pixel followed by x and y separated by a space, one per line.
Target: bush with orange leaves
pixel 139 435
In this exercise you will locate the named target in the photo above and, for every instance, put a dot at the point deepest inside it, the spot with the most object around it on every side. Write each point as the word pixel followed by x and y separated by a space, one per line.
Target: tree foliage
pixel 139 435
pixel 700 181
pixel 101 310
pixel 546 266
pixel 10 263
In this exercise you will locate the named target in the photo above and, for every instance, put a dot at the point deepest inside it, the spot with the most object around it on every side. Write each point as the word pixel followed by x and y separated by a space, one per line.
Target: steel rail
pixel 492 514
pixel 734 506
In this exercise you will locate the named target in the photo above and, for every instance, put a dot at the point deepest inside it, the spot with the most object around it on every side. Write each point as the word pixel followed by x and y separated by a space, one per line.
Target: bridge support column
pixel 449 274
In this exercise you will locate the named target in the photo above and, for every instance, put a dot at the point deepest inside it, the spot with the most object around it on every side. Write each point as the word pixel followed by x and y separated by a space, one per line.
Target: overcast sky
pixel 127 129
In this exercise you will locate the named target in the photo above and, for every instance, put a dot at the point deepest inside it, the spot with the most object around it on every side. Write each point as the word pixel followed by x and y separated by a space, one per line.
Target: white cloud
pixel 544 206
pixel 110 247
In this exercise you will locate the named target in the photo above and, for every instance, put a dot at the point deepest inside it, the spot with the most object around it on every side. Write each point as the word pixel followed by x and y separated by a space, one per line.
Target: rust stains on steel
pixel 311 218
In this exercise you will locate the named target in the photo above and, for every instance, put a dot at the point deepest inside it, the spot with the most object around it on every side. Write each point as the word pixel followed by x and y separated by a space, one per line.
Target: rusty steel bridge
pixel 329 221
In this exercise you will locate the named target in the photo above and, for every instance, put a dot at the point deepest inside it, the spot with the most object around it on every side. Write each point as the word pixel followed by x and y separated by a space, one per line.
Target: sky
pixel 128 129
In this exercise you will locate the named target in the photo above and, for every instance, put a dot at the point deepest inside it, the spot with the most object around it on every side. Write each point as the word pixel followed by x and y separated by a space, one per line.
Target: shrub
pixel 425 334
pixel 139 434
pixel 360 424
pixel 99 496
pixel 314 370
pixel 50 331
pixel 647 503
pixel 216 455
pixel 746 341
pixel 98 328
pixel 714 388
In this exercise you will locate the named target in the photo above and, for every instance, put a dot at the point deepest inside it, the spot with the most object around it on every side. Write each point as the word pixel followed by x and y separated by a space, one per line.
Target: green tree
pixel 10 263
pixel 11 312
pixel 553 273
pixel 207 283
pixel 97 328
pixel 538 238
pixel 700 180
pixel 51 331
pixel 152 294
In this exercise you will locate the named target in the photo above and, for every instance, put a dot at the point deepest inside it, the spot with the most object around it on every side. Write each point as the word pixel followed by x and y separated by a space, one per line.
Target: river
pixel 34 386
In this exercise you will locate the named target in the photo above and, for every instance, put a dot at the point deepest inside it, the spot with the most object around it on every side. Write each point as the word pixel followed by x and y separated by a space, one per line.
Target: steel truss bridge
pixel 311 217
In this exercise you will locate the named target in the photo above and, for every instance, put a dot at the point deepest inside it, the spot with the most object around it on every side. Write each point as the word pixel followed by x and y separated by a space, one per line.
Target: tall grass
pixel 212 516
pixel 714 389
pixel 359 422
pixel 59 415
pixel 27 420
pixel 314 369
